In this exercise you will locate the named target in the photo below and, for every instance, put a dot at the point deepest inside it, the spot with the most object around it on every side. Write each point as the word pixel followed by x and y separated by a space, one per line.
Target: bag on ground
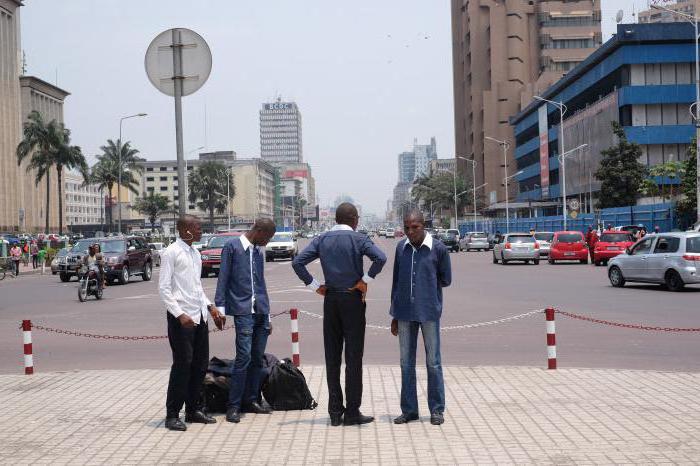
pixel 285 388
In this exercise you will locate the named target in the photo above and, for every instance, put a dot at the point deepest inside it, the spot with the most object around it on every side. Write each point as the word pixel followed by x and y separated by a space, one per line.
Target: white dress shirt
pixel 180 284
pixel 248 246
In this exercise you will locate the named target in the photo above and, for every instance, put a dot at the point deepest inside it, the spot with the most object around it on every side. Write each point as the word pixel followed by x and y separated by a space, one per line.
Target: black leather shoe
pixel 256 408
pixel 174 423
pixel 199 417
pixel 437 418
pixel 336 419
pixel 357 420
pixel 233 415
pixel 406 418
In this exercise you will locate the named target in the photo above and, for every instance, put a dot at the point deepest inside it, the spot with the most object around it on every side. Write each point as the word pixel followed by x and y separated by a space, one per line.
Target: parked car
pixel 516 246
pixel 389 233
pixel 69 267
pixel 568 246
pixel 544 239
pixel 450 240
pixel 156 250
pixel 59 258
pixel 125 257
pixel 474 240
pixel 670 259
pixel 282 245
pixel 211 255
pixel 456 233
pixel 611 243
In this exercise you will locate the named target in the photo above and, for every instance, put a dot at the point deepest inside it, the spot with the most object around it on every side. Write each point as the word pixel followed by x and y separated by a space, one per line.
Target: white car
pixel 156 250
pixel 283 245
pixel 390 233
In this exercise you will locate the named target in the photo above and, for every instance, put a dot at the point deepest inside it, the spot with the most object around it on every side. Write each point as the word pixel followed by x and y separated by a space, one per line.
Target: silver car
pixel 670 259
pixel 544 239
pixel 474 240
pixel 516 247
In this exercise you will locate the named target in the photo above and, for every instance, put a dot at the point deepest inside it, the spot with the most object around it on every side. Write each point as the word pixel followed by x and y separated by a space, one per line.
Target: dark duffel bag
pixel 285 388
pixel 215 393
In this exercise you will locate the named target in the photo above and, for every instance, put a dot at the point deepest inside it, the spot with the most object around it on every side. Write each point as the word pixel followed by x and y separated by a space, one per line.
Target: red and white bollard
pixel 294 314
pixel 28 357
pixel 551 339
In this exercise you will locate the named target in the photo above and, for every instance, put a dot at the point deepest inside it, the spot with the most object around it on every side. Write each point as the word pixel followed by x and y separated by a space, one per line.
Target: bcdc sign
pixel 278 106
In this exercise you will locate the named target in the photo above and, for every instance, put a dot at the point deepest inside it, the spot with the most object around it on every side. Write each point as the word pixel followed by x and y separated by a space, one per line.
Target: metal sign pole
pixel 177 81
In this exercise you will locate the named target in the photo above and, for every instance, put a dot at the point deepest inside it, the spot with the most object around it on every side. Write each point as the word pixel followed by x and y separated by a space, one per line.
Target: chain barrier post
pixel 27 337
pixel 294 314
pixel 551 339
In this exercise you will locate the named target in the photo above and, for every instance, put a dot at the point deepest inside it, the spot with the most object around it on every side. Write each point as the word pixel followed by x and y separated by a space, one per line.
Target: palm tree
pixel 105 174
pixel 152 206
pixel 38 143
pixel 208 188
pixel 109 171
pixel 70 157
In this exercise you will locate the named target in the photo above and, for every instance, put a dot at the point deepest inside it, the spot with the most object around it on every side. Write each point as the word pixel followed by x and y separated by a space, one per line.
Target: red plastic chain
pixel 619 324
pixel 127 338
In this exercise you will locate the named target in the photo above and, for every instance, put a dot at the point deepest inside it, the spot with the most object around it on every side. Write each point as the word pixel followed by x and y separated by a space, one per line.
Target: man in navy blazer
pixel 242 293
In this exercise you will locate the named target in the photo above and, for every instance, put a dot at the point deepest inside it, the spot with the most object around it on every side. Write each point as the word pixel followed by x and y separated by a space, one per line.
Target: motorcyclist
pixel 95 258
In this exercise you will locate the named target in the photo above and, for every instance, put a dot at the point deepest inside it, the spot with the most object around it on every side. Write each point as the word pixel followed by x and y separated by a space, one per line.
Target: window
pixel 643 247
pixel 149 178
pixel 150 189
pixel 667 244
pixel 164 169
pixel 163 188
pixel 163 178
pixel 149 169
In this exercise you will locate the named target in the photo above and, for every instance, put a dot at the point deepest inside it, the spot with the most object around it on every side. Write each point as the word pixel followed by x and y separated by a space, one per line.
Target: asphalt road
pixel 480 292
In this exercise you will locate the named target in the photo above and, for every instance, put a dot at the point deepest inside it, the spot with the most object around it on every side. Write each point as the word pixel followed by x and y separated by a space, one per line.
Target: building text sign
pixel 544 150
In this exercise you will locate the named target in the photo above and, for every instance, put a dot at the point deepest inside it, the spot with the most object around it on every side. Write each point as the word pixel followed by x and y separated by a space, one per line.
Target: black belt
pixel 341 291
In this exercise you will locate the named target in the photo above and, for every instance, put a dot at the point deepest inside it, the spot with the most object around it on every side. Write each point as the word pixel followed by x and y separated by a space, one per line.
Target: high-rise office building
pixel 407 167
pixel 424 153
pixel 504 53
pixel 280 132
pixel 684 7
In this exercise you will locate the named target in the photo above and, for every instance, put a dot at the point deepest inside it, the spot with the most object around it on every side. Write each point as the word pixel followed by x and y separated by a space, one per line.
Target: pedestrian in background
pixel 341 251
pixel 188 308
pixel 16 256
pixel 34 250
pixel 422 269
pixel 242 293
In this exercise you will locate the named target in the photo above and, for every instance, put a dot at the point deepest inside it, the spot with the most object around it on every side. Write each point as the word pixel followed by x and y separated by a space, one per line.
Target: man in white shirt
pixel 180 288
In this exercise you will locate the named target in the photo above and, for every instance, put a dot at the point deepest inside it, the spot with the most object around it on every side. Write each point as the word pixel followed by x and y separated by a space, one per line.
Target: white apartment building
pixel 82 205
pixel 280 132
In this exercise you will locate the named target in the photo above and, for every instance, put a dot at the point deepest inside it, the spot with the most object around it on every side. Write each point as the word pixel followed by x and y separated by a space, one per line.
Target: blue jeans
pixel 252 331
pixel 408 340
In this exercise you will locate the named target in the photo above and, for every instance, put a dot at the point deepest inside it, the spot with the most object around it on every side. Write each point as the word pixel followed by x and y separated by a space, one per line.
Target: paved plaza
pixel 494 415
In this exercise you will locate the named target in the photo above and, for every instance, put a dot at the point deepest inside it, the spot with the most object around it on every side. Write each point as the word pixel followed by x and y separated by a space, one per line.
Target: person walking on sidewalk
pixel 16 256
pixel 421 270
pixel 242 293
pixel 341 251
pixel 34 251
pixel 188 308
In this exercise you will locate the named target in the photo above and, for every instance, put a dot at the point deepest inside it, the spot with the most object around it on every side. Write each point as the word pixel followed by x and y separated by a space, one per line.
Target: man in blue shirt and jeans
pixel 341 251
pixel 242 292
pixel 421 270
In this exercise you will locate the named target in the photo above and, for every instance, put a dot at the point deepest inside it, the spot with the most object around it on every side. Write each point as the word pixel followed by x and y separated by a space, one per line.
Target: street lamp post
pixel 562 110
pixel 506 178
pixel 187 173
pixel 119 176
pixel 473 162
pixel 696 116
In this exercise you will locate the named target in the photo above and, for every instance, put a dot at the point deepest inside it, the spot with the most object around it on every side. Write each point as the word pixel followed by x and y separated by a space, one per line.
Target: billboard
pixel 544 150
pixel 295 174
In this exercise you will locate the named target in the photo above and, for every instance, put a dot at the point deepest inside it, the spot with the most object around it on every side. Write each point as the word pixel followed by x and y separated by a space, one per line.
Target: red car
pixel 568 246
pixel 211 253
pixel 611 243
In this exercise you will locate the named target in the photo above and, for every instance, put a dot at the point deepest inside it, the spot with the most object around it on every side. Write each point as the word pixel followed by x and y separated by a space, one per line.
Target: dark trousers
pixel 344 323
pixel 190 347
pixel 35 262
pixel 252 331
pixel 16 264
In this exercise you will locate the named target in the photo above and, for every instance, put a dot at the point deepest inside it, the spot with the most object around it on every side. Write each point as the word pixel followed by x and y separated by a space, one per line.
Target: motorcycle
pixel 89 284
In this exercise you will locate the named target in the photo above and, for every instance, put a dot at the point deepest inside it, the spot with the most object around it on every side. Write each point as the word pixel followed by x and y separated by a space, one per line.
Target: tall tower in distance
pixel 280 132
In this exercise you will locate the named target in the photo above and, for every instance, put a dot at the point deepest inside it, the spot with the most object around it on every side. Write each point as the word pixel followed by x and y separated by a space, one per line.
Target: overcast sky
pixel 369 76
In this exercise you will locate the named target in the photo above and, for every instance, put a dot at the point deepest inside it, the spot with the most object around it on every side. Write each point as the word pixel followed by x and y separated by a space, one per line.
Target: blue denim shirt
pixel 341 251
pixel 419 276
pixel 241 286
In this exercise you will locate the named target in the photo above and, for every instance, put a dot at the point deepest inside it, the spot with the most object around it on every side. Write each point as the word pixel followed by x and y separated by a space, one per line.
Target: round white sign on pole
pixel 196 61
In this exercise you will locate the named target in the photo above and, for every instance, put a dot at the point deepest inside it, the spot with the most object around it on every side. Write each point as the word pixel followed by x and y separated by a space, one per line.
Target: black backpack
pixel 285 388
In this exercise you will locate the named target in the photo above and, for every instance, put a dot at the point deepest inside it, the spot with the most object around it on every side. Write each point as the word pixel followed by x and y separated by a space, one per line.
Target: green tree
pixel 438 191
pixel 208 188
pixel 38 144
pixel 620 172
pixel 106 172
pixel 667 171
pixel 152 206
pixel 69 157
pixel 687 207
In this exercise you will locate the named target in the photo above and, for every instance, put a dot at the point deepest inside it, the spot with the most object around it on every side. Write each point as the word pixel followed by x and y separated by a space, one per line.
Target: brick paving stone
pixel 495 415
